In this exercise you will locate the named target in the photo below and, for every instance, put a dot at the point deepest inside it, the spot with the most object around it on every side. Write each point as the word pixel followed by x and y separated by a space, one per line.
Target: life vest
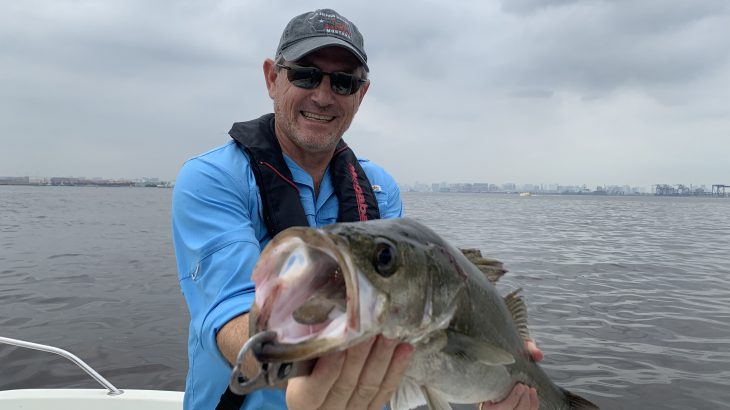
pixel 282 207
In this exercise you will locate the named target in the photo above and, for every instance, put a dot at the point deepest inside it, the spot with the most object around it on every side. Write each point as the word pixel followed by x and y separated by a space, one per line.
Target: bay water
pixel 629 297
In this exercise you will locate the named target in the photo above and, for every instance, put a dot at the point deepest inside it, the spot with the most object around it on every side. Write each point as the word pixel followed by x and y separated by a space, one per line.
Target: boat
pixel 525 194
pixel 108 398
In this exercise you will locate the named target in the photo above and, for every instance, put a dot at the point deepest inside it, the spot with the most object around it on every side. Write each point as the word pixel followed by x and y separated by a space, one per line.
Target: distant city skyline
pixel 509 186
pixel 82 181
pixel 443 186
pixel 721 190
pixel 552 186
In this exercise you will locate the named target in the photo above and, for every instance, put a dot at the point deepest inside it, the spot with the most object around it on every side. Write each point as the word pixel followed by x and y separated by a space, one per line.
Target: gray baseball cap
pixel 311 31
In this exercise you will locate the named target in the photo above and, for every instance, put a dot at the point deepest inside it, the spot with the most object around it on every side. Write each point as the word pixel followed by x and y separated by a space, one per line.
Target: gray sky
pixel 527 91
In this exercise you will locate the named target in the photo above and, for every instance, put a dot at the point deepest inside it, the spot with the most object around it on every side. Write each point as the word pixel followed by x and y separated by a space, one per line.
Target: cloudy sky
pixel 526 91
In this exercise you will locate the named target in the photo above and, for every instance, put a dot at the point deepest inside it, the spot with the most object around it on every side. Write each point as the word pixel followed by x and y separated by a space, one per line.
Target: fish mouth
pixel 308 291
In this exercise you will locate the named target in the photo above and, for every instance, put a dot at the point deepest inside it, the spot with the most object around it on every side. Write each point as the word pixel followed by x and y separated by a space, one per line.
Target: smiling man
pixel 289 168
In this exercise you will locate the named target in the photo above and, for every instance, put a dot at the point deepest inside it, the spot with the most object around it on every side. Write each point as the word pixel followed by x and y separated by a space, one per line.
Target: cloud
pixel 524 91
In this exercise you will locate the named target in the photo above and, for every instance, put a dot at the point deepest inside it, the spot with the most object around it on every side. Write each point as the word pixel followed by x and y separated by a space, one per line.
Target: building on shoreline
pixel 15 181
pixel 718 190
pixel 90 182
pixel 513 188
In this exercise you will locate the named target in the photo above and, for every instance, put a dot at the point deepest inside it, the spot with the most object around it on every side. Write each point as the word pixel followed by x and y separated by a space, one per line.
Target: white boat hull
pixel 88 399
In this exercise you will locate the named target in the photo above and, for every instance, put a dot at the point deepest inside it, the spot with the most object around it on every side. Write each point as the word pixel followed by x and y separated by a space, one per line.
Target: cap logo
pixel 330 24
pixel 312 31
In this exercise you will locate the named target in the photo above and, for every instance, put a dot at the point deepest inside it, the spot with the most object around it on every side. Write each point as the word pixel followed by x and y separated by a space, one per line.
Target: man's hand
pixel 364 376
pixel 367 375
pixel 522 397
pixel 535 353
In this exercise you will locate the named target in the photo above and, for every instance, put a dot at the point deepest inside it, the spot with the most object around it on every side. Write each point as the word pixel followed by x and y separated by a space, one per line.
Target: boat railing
pixel 112 391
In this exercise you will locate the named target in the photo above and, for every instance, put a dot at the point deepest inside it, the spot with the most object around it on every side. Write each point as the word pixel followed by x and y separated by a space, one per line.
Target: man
pixel 289 168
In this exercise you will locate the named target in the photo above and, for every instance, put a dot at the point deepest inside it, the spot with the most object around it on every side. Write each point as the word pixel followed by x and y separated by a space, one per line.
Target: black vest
pixel 282 207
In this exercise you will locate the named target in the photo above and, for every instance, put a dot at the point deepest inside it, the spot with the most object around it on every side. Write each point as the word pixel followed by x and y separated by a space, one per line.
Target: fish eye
pixel 385 258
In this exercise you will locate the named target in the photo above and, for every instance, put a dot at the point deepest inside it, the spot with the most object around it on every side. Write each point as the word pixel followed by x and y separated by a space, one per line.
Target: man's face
pixel 313 121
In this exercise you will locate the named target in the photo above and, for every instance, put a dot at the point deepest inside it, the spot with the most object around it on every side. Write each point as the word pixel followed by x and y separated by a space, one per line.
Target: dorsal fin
pixel 518 309
pixel 491 268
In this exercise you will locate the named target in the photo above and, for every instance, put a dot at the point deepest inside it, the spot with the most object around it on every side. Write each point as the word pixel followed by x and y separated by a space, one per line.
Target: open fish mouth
pixel 308 292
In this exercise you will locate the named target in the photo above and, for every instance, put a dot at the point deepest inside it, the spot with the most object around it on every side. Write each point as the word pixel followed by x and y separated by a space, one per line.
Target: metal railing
pixel 113 391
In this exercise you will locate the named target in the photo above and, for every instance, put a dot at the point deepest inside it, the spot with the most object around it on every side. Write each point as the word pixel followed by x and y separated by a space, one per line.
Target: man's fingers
pixel 534 403
pixel 535 353
pixel 511 402
pixel 311 391
pixel 528 401
pixel 373 373
pixel 398 365
pixel 363 376
pixel 521 398
pixel 342 389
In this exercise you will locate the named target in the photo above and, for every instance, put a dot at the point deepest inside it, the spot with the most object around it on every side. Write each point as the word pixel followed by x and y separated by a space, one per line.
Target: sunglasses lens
pixel 305 77
pixel 343 83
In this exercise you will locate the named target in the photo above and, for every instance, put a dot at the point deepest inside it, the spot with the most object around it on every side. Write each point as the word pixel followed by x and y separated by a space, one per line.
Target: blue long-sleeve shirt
pixel 218 234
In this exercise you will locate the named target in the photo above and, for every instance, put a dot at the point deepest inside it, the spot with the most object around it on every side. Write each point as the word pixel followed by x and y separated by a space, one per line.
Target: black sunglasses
pixel 310 78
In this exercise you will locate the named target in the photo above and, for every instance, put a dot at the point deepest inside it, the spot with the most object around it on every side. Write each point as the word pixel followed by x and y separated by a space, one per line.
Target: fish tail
pixel 578 403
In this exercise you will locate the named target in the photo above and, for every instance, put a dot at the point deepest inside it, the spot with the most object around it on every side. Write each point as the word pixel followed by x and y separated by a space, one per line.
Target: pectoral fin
pixel 411 395
pixel 473 349
pixel 408 396
pixel 434 399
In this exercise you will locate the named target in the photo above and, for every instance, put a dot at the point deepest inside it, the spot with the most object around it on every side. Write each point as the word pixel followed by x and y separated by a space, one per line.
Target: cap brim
pixel 308 45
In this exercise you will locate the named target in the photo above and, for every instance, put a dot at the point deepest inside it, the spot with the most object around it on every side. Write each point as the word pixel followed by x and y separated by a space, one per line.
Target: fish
pixel 327 289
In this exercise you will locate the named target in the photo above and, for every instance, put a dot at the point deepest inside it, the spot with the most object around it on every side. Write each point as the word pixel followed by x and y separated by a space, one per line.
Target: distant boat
pixel 525 194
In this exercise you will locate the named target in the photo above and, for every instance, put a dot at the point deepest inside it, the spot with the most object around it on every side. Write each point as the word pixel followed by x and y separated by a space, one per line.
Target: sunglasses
pixel 310 77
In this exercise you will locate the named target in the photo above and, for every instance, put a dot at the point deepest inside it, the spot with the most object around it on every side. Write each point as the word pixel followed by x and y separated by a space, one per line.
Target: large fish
pixel 322 290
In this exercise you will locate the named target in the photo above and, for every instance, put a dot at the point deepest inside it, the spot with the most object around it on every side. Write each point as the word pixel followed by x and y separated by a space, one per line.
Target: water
pixel 628 296
pixel 90 270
